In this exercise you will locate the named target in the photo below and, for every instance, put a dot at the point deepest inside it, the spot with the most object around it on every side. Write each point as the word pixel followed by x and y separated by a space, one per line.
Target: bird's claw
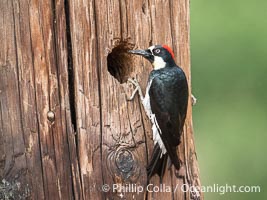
pixel 137 88
pixel 193 100
pixel 132 96
pixel 134 82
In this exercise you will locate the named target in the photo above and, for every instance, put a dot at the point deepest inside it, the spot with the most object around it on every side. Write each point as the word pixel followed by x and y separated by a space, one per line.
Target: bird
pixel 165 103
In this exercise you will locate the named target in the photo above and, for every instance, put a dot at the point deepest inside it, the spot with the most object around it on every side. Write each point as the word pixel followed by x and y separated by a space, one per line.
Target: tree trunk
pixel 66 128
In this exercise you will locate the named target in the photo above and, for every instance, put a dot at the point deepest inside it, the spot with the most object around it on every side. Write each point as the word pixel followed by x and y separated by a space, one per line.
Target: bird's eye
pixel 157 51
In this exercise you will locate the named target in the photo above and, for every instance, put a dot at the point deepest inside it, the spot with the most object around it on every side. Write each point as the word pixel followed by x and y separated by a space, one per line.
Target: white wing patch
pixel 146 100
pixel 156 134
pixel 155 127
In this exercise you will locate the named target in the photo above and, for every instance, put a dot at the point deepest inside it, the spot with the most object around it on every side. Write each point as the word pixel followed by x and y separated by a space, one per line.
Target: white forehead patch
pixel 158 63
pixel 151 49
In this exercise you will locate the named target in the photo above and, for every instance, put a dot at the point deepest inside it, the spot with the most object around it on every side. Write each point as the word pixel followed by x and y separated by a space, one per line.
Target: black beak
pixel 145 53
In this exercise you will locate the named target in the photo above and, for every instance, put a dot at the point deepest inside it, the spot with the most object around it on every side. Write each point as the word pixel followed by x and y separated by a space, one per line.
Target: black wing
pixel 168 99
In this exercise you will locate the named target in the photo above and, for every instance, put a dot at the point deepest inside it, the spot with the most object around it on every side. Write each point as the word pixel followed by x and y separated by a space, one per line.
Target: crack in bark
pixel 99 91
pixel 70 68
pixel 70 71
pixel 171 24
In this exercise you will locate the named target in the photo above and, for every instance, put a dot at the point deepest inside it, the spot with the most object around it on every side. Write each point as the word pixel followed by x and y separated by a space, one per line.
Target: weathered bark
pixel 66 128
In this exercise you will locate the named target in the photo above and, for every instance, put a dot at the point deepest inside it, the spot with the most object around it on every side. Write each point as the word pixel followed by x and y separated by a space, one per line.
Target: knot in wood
pixel 51 116
pixel 124 161
pixel 123 164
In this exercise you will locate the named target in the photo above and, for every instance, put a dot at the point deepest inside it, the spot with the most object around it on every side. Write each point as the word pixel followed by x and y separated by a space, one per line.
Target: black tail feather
pixel 171 151
pixel 157 164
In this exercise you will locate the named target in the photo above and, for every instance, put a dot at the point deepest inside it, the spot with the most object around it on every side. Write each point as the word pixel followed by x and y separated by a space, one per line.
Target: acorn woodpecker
pixel 165 103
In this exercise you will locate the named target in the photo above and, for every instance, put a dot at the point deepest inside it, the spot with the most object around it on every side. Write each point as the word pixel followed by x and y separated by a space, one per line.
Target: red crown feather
pixel 168 49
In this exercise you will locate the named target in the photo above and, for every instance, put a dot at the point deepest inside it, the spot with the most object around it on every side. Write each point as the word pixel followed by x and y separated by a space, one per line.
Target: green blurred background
pixel 229 77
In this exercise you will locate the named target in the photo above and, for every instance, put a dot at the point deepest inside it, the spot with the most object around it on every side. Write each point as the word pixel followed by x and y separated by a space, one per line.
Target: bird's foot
pixel 193 100
pixel 137 89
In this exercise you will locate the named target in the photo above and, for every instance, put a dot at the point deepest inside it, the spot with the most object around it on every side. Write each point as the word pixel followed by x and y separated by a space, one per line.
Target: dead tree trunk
pixel 66 128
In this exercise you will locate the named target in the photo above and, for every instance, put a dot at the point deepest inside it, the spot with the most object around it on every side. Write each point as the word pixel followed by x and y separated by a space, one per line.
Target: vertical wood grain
pixel 34 81
pixel 66 128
